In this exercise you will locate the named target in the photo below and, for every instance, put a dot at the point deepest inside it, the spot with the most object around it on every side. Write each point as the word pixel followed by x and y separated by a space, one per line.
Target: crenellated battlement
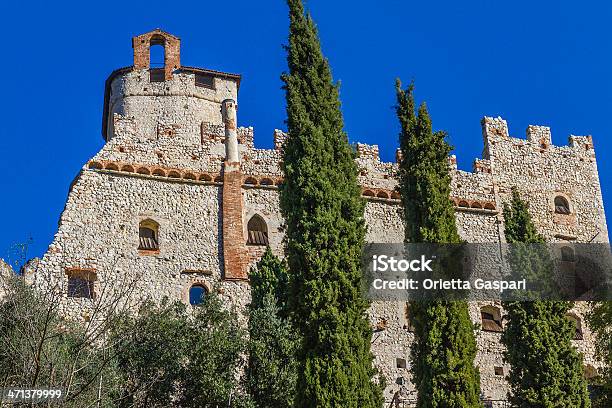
pixel 495 132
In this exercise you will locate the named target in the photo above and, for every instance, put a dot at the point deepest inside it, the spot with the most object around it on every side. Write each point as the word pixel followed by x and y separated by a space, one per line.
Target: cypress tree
pixel 322 205
pixel 444 349
pixel 272 369
pixel 546 371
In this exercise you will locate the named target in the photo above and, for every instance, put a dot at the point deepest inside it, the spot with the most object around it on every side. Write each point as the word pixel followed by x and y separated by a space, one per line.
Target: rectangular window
pixel 400 362
pixel 157 75
pixel 499 370
pixel 81 284
pixel 205 80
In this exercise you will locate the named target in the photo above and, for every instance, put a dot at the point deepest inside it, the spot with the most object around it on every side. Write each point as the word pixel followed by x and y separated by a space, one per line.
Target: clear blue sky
pixel 531 62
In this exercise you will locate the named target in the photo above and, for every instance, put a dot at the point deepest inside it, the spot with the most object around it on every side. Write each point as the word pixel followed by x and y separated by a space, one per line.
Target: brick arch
pixel 278 181
pixel 189 176
pixel 463 204
pixel 205 177
pixel 252 181
pixel 95 165
pixel 111 166
pixel 476 204
pixel 195 282
pixel 127 168
pixel 382 194
pixel 218 179
pixel 396 195
pixel 143 170
pixel 368 193
pixel 174 174
pixel 489 206
pixel 266 182
pixel 159 172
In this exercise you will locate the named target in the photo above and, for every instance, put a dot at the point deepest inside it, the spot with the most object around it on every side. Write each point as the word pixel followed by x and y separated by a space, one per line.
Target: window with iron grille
pixel 257 231
pixel 148 235
pixel 81 284
pixel 204 80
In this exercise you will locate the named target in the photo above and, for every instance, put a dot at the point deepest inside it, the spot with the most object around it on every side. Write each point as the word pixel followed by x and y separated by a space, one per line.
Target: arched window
pixel 408 319
pixel 491 319
pixel 576 321
pixel 197 294
pixel 561 205
pixel 567 254
pixel 157 59
pixel 148 233
pixel 257 231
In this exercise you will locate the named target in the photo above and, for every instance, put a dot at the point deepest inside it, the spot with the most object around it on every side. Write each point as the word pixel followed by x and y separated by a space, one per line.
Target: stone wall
pixel 5 273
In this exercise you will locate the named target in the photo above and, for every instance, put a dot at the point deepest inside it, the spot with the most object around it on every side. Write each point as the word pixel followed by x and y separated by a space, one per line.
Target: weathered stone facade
pixel 5 273
pixel 175 159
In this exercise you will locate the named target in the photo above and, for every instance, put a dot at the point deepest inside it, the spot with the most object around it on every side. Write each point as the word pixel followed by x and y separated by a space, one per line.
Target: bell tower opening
pixel 157 59
pixel 159 52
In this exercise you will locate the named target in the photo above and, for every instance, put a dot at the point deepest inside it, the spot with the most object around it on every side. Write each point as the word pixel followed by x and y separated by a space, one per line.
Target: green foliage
pixel 269 278
pixel 444 349
pixel 519 228
pixel 321 202
pixel 39 348
pixel 546 371
pixel 600 321
pixel 273 343
pixel 424 174
pixel 529 255
pixel 179 357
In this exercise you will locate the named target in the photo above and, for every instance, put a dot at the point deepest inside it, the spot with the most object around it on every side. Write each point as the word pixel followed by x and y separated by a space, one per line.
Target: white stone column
pixel 228 110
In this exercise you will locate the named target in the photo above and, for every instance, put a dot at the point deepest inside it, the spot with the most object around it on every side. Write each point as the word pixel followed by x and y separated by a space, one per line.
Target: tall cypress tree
pixel 273 342
pixel 546 371
pixel 444 349
pixel 322 205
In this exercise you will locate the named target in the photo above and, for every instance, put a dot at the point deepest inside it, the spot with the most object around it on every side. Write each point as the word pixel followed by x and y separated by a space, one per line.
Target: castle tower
pixel 165 98
pixel 167 114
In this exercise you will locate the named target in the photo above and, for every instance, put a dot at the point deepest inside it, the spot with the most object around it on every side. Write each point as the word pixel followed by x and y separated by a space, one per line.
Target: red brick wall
pixel 234 246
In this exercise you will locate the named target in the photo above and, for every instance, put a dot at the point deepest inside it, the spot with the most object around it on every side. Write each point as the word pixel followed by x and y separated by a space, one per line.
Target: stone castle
pixel 180 197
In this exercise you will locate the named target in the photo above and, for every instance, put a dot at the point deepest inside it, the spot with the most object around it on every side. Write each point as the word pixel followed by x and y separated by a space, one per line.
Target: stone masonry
pixel 175 159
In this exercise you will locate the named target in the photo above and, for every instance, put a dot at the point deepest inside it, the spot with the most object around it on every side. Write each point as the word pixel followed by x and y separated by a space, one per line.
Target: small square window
pixel 81 284
pixel 400 363
pixel 499 370
pixel 204 80
pixel 157 75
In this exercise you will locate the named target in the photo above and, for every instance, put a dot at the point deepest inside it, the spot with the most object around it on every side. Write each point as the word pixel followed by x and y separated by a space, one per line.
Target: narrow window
pixel 204 80
pixel 81 284
pixel 491 319
pixel 577 326
pixel 499 370
pixel 257 231
pixel 561 205
pixel 409 323
pixel 148 235
pixel 197 293
pixel 567 254
pixel 157 60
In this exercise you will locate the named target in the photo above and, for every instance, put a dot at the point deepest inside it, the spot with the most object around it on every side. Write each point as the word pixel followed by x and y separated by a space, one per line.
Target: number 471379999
pixel 30 394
